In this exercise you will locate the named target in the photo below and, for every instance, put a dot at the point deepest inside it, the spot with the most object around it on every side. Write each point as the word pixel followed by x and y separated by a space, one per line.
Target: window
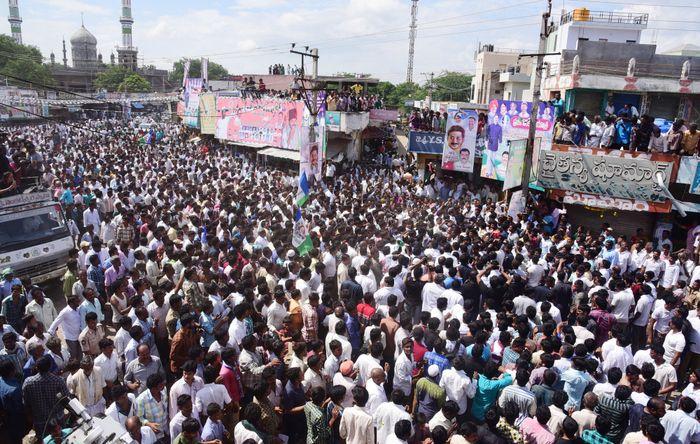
pixel 602 40
pixel 582 39
pixel 631 41
pixel 498 91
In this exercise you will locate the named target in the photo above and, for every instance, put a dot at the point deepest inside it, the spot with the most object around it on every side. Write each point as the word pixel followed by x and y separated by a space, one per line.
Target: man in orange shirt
pixel 184 339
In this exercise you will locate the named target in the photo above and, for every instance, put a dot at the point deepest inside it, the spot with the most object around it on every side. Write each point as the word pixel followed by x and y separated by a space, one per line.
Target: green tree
pixel 403 92
pixel 452 86
pixel 112 79
pixel 23 62
pixel 216 71
pixel 134 83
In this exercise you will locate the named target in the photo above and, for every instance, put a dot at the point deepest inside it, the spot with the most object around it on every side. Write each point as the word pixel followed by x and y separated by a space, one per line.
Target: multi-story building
pixel 500 74
pixel 601 60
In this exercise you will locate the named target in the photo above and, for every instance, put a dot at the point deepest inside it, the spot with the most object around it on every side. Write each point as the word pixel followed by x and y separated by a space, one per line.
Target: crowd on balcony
pixel 626 129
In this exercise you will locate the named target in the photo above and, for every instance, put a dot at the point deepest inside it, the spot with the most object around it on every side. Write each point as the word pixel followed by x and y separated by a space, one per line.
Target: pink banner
pixel 387 115
pixel 268 122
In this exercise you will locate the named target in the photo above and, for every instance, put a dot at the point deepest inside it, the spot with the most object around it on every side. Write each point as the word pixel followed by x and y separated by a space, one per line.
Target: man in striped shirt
pixel 521 395
pixel 616 409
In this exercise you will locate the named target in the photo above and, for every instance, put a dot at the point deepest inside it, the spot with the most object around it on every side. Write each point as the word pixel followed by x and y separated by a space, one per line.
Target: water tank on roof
pixel 582 14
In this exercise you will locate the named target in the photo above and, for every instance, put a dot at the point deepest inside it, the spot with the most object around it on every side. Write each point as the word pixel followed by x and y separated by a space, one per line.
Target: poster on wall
pixel 207 113
pixel 516 163
pixel 271 122
pixel 510 120
pixel 460 141
pixel 332 120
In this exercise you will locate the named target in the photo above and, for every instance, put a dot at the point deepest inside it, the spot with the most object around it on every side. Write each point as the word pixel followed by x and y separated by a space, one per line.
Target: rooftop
pixel 622 18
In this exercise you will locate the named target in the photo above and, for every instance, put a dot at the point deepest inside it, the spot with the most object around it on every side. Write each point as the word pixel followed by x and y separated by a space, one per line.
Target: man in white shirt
pixel 404 366
pixel 211 392
pixel 521 302
pixel 107 362
pixel 655 265
pixel 672 271
pixel 388 414
pixel 458 386
pixel 123 406
pixel 189 384
pixel 535 272
pixel 368 361
pixel 356 425
pixel 375 389
pixel 679 425
pixel 430 294
pixel 640 318
pixel 276 312
pixel 68 320
pixel 92 217
pixel 346 378
pixel 622 301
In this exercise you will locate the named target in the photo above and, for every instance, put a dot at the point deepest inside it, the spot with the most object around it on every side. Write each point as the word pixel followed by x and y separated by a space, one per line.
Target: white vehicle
pixel 34 237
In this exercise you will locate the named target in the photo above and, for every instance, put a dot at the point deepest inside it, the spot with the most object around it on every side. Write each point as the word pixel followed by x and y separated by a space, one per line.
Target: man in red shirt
pixel 231 378
pixel 365 310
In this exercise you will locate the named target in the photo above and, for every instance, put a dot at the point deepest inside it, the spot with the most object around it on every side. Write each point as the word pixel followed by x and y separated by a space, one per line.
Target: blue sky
pixel 364 36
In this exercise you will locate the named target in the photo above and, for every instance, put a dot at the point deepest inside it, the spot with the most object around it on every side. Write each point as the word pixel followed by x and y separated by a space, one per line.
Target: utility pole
pixel 411 41
pixel 527 168
pixel 311 103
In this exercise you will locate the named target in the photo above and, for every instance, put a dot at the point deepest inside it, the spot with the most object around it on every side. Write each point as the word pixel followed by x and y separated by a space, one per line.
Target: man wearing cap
pixel 429 396
pixel 8 280
pixel 346 378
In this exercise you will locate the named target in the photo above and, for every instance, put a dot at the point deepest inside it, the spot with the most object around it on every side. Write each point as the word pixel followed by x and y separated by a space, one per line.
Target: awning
pixel 280 153
pixel 137 105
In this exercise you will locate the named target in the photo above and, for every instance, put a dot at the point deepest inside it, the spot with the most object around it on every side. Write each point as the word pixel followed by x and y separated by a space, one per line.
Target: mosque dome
pixel 84 49
pixel 83 36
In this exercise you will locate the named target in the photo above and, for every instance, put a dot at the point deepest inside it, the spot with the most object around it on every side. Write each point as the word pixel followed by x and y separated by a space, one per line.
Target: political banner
pixel 687 170
pixel 607 173
pixel 311 160
pixel 695 186
pixel 332 120
pixel 460 141
pixel 425 142
pixel 207 113
pixel 383 115
pixel 510 120
pixel 269 122
pixel 516 163
pixel 516 205
pixel 193 88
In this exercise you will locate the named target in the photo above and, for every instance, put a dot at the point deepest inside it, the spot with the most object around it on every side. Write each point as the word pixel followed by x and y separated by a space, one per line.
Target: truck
pixel 34 236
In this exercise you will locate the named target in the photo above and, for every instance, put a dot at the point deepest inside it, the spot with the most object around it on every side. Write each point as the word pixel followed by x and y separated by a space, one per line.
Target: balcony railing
pixel 584 15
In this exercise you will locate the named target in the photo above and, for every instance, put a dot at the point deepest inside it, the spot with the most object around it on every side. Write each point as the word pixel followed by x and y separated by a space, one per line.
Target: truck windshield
pixel 32 227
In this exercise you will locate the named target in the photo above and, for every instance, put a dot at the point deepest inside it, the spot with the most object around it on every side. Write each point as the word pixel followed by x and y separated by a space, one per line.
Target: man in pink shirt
pixel 535 430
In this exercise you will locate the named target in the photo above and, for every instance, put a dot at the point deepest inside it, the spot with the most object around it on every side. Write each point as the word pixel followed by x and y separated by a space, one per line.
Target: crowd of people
pixel 415 318
pixel 625 129
pixel 352 99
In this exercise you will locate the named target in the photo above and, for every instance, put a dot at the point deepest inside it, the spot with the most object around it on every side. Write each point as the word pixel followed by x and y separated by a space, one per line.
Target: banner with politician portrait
pixel 460 141
pixel 510 120
pixel 311 157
